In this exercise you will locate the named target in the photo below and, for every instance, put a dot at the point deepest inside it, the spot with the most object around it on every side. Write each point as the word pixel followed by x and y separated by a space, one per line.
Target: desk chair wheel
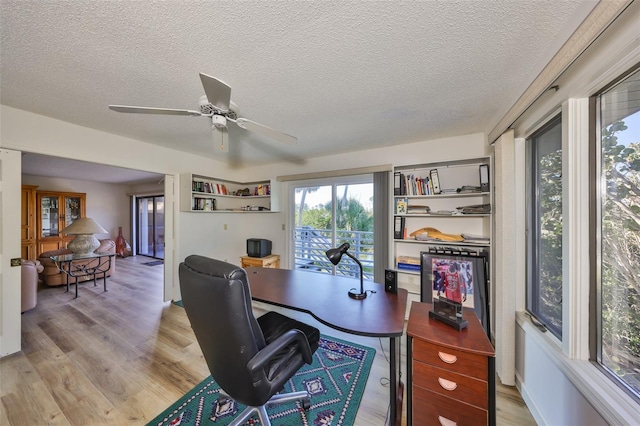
pixel 306 404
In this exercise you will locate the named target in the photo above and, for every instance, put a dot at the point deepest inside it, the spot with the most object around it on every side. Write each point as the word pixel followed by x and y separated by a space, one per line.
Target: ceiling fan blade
pixel 220 139
pixel 151 110
pixel 218 93
pixel 266 131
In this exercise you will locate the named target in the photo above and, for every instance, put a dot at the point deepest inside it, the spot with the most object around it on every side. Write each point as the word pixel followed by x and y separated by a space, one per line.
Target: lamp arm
pixel 361 274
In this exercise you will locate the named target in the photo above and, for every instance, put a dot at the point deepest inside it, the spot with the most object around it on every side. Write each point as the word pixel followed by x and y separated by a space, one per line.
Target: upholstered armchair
pixel 29 277
pixel 52 276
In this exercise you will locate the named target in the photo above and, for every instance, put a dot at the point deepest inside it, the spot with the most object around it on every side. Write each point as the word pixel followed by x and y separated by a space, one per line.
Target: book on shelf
pixel 401 205
pixel 399 228
pixel 471 238
pixel 417 209
pixel 433 174
pixel 475 209
pixel 468 189
pixel 408 267
pixel 408 263
pixel 408 260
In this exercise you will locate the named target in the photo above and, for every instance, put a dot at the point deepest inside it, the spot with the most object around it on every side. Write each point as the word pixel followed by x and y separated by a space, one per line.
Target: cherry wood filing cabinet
pixel 451 374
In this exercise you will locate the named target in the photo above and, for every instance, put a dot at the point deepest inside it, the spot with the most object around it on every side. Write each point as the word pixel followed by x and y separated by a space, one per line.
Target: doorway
pixel 150 226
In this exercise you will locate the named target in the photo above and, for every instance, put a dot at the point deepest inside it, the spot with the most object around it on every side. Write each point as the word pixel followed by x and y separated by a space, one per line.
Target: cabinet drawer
pixel 453 360
pixel 433 409
pixel 452 385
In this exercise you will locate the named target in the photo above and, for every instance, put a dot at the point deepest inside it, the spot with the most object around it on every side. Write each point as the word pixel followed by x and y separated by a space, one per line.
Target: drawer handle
pixel 447 384
pixel 446 422
pixel 448 358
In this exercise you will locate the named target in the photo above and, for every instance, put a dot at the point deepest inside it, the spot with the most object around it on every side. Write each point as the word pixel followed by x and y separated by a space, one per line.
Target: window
pixel 329 213
pixel 616 231
pixel 544 226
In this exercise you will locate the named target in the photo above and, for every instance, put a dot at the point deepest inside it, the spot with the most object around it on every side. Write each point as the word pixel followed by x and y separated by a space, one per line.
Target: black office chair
pixel 251 359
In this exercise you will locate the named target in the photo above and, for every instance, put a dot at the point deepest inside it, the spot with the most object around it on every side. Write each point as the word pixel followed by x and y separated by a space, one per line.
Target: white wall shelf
pixel 205 194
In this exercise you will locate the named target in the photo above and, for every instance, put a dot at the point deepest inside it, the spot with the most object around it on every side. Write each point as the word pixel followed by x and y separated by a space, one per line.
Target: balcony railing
pixel 311 245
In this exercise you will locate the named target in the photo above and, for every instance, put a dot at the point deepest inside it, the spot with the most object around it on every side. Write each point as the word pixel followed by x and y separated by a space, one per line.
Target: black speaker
pixel 390 281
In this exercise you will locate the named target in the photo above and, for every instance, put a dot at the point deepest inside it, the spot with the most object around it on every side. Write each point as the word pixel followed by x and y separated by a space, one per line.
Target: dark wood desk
pixel 325 298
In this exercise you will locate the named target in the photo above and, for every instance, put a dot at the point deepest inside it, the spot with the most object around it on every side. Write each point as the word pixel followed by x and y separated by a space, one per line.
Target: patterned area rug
pixel 335 380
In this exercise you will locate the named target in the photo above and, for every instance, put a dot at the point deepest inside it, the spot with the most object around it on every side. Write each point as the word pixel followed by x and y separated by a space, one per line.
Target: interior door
pixel 10 289
pixel 170 292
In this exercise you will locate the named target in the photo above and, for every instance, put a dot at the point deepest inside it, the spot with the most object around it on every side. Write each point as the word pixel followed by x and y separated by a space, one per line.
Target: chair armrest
pixel 260 360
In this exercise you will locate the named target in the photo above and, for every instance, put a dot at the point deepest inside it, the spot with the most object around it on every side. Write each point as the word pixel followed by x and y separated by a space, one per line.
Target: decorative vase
pixel 121 244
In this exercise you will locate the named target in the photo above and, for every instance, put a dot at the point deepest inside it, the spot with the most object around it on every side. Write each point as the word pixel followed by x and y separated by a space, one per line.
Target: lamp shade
pixel 84 225
pixel 335 254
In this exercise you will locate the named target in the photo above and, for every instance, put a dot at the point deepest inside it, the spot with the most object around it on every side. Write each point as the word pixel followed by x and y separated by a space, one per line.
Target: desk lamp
pixel 84 243
pixel 334 255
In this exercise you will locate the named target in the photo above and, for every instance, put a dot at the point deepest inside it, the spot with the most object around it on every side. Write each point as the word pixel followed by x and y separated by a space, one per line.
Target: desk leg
pixel 409 380
pixel 104 277
pixel 67 281
pixel 395 393
pixel 394 381
pixel 76 288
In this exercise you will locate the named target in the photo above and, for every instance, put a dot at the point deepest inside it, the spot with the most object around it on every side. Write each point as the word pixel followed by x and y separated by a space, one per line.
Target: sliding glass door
pixel 150 226
pixel 329 213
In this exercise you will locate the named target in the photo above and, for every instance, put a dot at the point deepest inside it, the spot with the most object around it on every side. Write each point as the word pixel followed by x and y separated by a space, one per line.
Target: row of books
pixel 262 190
pixel 411 184
pixel 204 204
pixel 208 187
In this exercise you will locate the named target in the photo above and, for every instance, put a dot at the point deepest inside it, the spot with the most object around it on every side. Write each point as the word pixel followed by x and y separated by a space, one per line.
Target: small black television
pixel 458 277
pixel 258 247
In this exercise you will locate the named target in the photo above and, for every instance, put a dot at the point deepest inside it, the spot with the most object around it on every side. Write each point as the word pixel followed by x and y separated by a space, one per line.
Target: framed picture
pixel 461 278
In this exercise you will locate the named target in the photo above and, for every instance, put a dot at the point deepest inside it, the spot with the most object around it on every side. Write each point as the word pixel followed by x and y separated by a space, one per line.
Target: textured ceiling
pixel 341 76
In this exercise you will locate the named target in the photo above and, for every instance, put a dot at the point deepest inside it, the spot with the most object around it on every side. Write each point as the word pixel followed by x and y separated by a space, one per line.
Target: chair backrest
pixel 217 299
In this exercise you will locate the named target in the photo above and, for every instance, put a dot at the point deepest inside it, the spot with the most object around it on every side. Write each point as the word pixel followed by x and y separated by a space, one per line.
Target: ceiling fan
pixel 215 104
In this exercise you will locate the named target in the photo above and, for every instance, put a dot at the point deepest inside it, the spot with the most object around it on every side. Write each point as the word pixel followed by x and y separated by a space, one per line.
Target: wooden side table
pixel 271 261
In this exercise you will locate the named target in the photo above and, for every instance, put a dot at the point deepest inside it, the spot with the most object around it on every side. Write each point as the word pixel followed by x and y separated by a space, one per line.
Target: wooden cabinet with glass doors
pixel 56 211
pixel 28 222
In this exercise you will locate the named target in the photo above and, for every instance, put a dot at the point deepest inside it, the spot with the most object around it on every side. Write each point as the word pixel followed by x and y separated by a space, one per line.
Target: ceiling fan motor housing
pixel 218 121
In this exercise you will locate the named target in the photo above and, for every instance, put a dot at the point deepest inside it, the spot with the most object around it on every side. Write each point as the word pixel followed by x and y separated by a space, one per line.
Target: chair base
pixel 261 411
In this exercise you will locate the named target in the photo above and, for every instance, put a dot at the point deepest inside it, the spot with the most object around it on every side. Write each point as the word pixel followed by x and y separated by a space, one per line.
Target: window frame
pixel 532 286
pixel 595 233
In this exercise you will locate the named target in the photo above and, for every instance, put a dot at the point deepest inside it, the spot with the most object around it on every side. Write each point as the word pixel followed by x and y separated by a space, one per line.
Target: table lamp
pixel 84 242
pixel 335 254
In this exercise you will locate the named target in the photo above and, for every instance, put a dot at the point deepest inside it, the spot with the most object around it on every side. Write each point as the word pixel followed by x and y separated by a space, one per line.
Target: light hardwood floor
pixel 123 356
